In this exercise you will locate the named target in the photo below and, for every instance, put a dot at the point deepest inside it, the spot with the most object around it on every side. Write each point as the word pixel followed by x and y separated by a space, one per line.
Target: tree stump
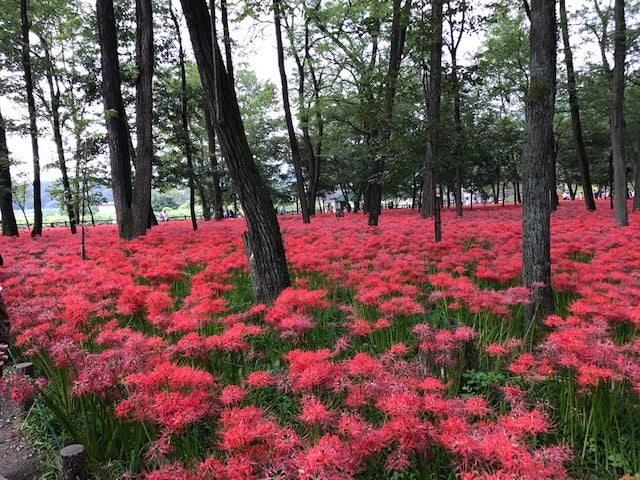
pixel 74 463
pixel 25 368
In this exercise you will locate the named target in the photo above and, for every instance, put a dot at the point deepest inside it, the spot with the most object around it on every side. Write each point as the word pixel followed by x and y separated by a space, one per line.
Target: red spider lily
pixel 171 395
pixel 314 412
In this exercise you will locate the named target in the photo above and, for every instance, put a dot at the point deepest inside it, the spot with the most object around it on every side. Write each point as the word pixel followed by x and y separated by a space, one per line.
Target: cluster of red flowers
pixel 350 407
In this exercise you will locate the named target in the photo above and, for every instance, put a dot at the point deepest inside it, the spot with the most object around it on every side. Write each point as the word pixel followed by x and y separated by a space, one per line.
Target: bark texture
pixel 574 108
pixel 117 129
pixel 617 119
pixel 33 115
pixel 9 225
pixel 432 87
pixel 265 250
pixel 538 149
pixel 296 157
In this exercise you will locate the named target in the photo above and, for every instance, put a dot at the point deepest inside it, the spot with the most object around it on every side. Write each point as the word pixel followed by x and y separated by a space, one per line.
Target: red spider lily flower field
pixel 391 356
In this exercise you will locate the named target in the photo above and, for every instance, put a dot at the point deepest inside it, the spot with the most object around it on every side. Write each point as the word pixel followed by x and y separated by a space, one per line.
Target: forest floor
pixel 19 459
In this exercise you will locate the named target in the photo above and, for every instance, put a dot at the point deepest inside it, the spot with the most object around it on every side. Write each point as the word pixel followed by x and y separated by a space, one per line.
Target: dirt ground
pixel 18 460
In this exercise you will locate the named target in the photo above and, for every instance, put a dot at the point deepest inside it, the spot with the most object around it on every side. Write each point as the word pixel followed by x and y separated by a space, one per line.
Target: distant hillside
pixel 48 202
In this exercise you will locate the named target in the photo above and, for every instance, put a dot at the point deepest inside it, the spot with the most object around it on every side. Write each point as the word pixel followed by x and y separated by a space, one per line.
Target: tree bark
pixel 293 141
pixel 432 89
pixel 184 123
pixel 314 150
pixel 33 115
pixel 54 92
pixel 538 146
pixel 226 38
pixel 574 108
pixel 617 118
pixel 9 225
pixel 263 240
pixel 454 43
pixel 399 25
pixel 117 129
pixel 218 214
pixel 141 205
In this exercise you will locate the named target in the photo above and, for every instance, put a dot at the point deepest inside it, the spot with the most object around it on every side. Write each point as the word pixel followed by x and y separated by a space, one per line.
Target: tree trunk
pixel 218 214
pixel 312 151
pixel 184 122
pixel 576 123
pixel 432 90
pixel 33 115
pixel 617 118
pixel 141 204
pixel 9 225
pixel 293 141
pixel 54 92
pixel 454 43
pixel 539 109
pixel 263 241
pixel 226 39
pixel 399 24
pixel 117 129
pixel 553 191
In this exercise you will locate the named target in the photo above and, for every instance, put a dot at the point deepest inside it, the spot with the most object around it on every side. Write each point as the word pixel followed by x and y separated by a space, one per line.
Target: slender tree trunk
pixel 538 146
pixel 184 122
pixel 9 225
pixel 312 151
pixel 293 140
pixel 54 92
pixel 263 241
pixel 117 129
pixel 576 123
pixel 33 115
pixel 141 206
pixel 226 39
pixel 432 87
pixel 617 118
pixel 218 214
pixel 399 24
pixel 454 43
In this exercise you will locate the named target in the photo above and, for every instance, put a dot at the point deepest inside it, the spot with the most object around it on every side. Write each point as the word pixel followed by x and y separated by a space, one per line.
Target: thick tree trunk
pixel 553 181
pixel 265 249
pixel 617 119
pixel 117 129
pixel 9 225
pixel 538 149
pixel 141 204
pixel 293 140
pixel 574 108
pixel 432 88
pixel 33 115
